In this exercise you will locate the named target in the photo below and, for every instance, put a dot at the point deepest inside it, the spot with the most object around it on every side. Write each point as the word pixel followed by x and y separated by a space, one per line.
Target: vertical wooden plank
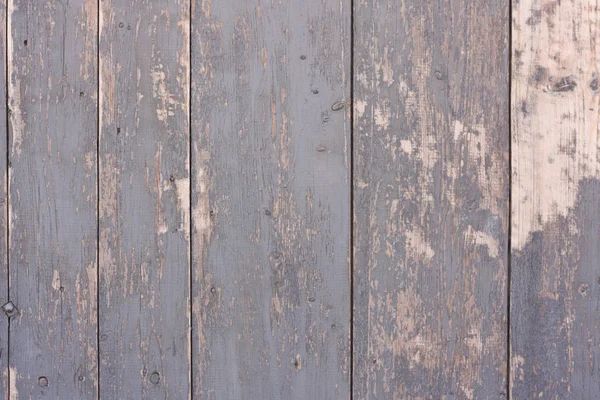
pixel 52 90
pixel 555 287
pixel 431 199
pixel 270 199
pixel 144 199
pixel 4 318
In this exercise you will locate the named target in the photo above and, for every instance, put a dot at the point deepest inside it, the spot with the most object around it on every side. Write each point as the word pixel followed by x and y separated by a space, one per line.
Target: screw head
pixel 155 378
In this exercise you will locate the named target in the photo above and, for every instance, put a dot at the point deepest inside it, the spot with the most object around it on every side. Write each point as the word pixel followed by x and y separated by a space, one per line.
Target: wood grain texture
pixel 52 88
pixel 555 286
pixel 144 199
pixel 4 298
pixel 271 199
pixel 430 187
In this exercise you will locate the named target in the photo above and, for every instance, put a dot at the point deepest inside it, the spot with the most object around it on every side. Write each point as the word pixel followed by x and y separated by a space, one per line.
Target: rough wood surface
pixel 4 298
pixel 144 199
pixel 555 289
pixel 270 199
pixel 52 87
pixel 430 187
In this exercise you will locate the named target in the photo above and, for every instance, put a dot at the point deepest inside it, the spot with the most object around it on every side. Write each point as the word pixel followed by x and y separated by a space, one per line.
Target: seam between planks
pixel 98 120
pixel 510 192
pixel 6 64
pixel 351 250
pixel 190 213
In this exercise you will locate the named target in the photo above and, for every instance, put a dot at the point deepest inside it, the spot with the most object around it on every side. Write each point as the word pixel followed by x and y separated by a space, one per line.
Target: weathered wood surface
pixel 4 298
pixel 144 199
pixel 270 199
pixel 431 139
pixel 555 325
pixel 52 87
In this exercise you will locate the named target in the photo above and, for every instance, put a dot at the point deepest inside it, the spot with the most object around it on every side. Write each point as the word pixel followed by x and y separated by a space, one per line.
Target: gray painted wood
pixel 4 380
pixel 52 88
pixel 144 199
pixel 555 287
pixel 271 199
pixel 431 171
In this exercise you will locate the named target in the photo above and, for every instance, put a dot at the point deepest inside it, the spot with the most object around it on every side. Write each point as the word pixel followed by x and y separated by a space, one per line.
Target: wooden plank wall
pixel 299 199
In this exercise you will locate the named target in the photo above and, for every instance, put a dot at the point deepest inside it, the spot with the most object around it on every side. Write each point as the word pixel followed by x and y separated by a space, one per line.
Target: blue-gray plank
pixel 271 199
pixel 52 89
pixel 144 199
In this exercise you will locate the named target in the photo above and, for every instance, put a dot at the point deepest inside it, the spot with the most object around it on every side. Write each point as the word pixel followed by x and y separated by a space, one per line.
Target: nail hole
pixel 121 24
pixel 337 106
pixel 155 378
pixel 267 212
pixel 81 378
pixel 303 57
pixel 172 178
pixel 81 94
pixel 118 130
pixel 25 42
pixel 43 381
pixel 315 91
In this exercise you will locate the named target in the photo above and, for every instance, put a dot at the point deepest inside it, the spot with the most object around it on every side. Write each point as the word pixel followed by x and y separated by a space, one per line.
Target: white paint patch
pixel 16 117
pixel 182 186
pixel 417 245
pixel 359 107
pixel 56 280
pixel 458 129
pixel 516 367
pixel 382 116
pixel 14 393
pixel 484 239
pixel 406 146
